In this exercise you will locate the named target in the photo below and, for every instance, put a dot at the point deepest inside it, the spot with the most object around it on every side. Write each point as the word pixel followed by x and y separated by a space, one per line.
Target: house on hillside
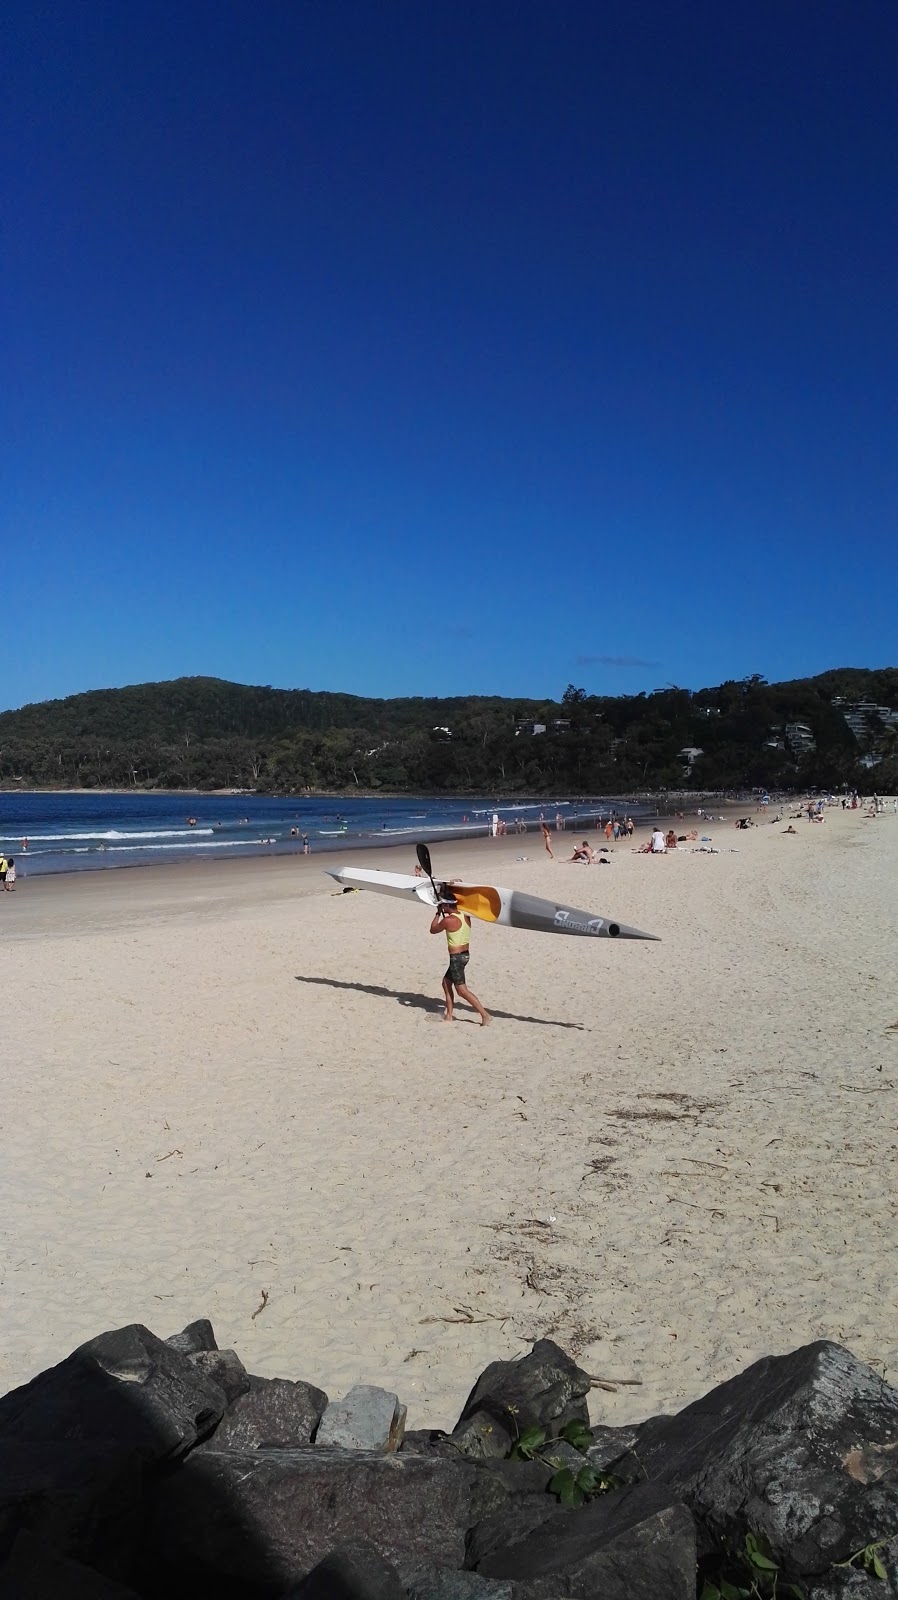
pixel 800 738
pixel 689 755
pixel 864 718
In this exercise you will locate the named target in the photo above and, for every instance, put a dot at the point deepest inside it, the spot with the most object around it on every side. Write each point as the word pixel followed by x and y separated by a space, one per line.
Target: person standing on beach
pixel 456 925
pixel 10 883
pixel 547 839
pixel 4 868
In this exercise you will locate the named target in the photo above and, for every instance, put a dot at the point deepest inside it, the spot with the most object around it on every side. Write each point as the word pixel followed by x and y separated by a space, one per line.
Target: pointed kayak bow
pixel 510 908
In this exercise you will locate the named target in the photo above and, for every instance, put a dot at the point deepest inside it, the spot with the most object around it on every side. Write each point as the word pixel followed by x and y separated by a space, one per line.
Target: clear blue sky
pixel 402 347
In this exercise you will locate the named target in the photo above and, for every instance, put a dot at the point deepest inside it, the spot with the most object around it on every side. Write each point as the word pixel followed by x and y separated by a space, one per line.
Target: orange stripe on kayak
pixel 479 902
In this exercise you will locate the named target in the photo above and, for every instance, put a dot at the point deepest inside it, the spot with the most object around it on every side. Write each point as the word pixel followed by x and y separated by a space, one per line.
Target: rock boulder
pixel 631 1544
pixel 544 1388
pixel 126 1387
pixel 274 1414
pixel 355 1571
pixel 801 1449
pixel 35 1571
pixel 195 1337
pixel 81 1499
pixel 225 1368
pixel 268 1517
pixel 367 1418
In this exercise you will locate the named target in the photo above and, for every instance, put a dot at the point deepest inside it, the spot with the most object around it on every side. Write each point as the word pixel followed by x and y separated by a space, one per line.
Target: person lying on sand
pixel 790 829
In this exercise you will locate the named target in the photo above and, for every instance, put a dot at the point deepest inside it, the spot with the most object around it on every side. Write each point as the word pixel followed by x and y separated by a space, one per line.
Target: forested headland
pixel 205 733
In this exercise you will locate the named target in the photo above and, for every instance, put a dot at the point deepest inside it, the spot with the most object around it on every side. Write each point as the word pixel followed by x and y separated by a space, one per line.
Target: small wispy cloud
pixel 615 661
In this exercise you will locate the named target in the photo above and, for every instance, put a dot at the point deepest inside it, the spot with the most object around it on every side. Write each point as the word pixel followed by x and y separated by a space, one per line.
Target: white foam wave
pixel 438 827
pixel 111 833
pixel 211 844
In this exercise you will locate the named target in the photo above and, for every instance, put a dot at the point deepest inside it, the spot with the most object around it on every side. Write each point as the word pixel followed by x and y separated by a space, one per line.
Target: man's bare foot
pixel 485 1019
pixel 446 1016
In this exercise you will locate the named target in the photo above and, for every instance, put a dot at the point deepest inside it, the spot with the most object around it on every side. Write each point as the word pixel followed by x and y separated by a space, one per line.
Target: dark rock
pixel 632 1544
pixel 195 1337
pixel 855 1585
pixel 354 1572
pixel 802 1449
pixel 518 1477
pixel 267 1517
pixel 83 1499
pixel 225 1368
pixel 428 1442
pixel 609 1445
pixel 35 1571
pixel 274 1414
pixel 517 1518
pixel 126 1387
pixel 435 1583
pixel 544 1388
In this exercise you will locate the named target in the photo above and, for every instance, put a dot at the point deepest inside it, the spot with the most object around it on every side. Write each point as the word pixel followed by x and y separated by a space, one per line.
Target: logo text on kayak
pixel 563 919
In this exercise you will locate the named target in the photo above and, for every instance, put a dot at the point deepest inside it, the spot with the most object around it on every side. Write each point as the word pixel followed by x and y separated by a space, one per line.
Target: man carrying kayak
pixel 456 925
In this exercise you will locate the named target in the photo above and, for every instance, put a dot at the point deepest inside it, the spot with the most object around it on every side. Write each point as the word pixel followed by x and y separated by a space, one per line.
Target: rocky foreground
pixel 149 1467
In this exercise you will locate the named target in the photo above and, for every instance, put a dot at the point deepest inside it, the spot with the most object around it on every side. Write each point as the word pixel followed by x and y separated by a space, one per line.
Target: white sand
pixel 710 1121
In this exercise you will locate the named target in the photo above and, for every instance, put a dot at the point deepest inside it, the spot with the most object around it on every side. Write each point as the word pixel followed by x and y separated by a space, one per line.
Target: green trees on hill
pixel 207 733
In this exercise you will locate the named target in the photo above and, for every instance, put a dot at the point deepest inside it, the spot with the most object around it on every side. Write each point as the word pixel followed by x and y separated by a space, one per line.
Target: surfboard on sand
pixel 510 908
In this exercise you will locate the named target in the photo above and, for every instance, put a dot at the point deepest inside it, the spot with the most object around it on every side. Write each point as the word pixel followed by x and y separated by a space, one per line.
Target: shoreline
pixel 281 868
pixel 286 849
pixel 55 901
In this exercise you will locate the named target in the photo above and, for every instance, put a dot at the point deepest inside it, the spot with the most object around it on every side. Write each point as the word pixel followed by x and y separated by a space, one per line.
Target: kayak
pixel 509 908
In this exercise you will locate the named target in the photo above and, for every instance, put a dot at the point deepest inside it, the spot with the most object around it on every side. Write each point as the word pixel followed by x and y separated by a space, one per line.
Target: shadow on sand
pixel 423 1002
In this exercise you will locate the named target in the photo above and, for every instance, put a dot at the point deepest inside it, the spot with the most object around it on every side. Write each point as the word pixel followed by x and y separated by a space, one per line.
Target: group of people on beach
pixel 7 872
pixel 615 828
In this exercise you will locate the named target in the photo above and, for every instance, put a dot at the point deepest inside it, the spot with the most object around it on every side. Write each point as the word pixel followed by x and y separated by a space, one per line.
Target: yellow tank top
pixel 459 938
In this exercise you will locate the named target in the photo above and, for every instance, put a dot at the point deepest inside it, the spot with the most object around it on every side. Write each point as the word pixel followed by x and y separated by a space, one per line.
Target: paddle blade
pixel 423 855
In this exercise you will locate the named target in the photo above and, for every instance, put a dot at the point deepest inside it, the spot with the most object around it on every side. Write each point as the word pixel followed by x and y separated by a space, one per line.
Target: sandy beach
pixel 224 1079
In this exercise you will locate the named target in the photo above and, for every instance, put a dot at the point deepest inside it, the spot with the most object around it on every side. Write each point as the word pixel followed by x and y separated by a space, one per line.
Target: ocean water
pixel 82 832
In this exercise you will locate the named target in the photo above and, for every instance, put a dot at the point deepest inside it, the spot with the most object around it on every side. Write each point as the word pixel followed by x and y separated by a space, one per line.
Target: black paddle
pixel 423 855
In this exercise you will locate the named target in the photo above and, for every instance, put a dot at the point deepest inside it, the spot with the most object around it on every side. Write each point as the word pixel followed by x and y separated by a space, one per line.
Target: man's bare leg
pixel 469 995
pixel 447 991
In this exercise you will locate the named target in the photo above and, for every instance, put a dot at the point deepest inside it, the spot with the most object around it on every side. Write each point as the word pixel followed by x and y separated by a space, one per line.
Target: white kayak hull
pixel 510 908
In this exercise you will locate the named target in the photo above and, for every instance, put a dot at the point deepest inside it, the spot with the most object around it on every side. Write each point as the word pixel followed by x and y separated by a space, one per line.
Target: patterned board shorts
pixel 455 972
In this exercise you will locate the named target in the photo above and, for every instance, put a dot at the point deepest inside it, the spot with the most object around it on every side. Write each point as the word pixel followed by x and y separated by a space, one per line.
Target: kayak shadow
pixel 424 1002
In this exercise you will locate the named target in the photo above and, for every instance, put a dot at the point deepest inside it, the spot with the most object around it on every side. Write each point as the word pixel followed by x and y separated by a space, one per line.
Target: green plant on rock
pixel 572 1486
pixel 749 1574
pixel 752 1574
pixel 869 1559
